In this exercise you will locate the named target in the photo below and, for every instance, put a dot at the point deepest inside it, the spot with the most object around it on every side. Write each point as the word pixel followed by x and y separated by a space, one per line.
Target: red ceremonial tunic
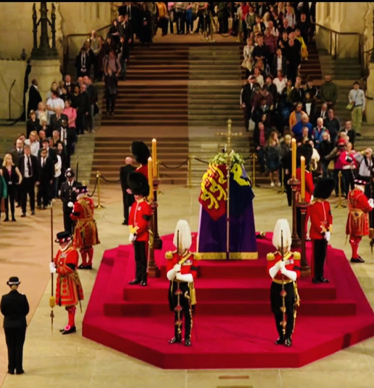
pixel 292 263
pixel 320 218
pixel 143 169
pixel 139 218
pixel 85 232
pixel 68 288
pixel 189 263
pixel 358 209
pixel 309 185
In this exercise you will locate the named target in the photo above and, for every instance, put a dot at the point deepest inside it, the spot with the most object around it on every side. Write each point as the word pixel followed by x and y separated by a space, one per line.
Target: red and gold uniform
pixel 68 286
pixel 182 296
pixel 139 218
pixel 321 223
pixel 291 298
pixel 85 232
pixel 143 169
pixel 358 220
pixel 309 189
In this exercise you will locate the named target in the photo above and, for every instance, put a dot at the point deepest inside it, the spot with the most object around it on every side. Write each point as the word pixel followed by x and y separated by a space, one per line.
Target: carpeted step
pixel 231 308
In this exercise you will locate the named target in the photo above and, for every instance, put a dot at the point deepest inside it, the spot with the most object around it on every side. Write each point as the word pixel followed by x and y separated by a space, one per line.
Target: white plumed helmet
pixel 282 225
pixel 185 239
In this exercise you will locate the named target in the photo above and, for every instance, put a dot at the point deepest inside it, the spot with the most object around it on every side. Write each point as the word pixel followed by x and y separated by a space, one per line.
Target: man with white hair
pixel 181 271
pixel 284 268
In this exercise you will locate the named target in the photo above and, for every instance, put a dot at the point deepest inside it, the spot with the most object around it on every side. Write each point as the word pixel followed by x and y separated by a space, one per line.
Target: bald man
pixel 128 199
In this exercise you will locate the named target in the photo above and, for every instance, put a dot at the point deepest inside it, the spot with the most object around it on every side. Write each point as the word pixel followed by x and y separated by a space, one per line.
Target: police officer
pixel 14 307
pixel 68 197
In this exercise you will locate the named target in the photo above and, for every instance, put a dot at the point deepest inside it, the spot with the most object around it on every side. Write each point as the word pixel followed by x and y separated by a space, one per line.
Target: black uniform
pixel 15 307
pixel 68 194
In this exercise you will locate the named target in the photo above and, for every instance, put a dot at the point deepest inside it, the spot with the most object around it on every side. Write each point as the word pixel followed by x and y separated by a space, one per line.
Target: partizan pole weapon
pixel 178 308
pixel 283 293
pixel 52 301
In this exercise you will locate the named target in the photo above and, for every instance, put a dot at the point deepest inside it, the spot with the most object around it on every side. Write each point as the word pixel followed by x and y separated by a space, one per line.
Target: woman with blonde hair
pixel 33 142
pixel 41 113
pixel 12 178
pixel 248 59
pixel 54 88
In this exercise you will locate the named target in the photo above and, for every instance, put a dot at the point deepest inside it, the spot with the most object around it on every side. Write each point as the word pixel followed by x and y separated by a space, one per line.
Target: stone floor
pixel 53 360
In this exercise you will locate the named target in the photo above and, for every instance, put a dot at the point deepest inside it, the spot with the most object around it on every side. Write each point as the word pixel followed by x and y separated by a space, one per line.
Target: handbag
pixel 350 106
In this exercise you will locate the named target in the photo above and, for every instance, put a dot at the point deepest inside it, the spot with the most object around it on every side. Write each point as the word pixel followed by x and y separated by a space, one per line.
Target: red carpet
pixel 233 325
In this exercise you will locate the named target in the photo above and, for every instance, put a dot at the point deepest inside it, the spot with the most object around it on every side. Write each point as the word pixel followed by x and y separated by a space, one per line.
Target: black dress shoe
pixel 72 329
pixel 316 281
pixel 175 340
pixel 187 342
pixel 13 219
pixel 357 260
pixel 288 342
pixel 124 223
pixel 81 266
pixel 279 341
pixel 23 215
pixel 11 372
pixel 33 213
pixel 133 282
pixel 143 283
pixel 323 280
pixel 21 372
pixel 6 219
pixel 88 267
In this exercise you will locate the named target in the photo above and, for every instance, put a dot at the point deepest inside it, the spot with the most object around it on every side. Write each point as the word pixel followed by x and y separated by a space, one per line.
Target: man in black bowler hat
pixel 14 307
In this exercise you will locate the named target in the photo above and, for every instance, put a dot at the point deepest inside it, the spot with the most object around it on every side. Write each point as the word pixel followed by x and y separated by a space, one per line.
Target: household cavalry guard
pixel 284 269
pixel 69 290
pixel 359 207
pixel 85 232
pixel 181 270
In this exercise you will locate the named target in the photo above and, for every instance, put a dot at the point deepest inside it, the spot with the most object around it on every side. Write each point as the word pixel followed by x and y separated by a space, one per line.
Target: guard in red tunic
pixel 181 270
pixel 304 150
pixel 357 226
pixel 141 154
pixel 284 269
pixel 321 226
pixel 85 232
pixel 140 216
pixel 69 290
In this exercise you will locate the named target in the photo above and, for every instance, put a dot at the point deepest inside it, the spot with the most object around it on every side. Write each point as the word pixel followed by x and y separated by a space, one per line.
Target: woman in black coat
pixel 145 33
pixel 32 124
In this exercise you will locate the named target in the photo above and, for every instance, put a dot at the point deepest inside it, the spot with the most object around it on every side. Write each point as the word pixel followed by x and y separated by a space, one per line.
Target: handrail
pixel 66 44
pixel 333 51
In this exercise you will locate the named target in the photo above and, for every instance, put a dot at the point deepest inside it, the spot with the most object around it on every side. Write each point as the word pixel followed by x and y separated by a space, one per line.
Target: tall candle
pixel 293 158
pixel 154 157
pixel 150 179
pixel 302 179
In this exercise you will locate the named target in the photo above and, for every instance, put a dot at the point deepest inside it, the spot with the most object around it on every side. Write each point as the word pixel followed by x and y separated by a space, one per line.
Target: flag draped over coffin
pixel 213 214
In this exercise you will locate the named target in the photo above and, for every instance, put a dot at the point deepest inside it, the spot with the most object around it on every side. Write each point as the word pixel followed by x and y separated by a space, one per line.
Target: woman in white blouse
pixel 247 54
pixel 33 142
pixel 41 113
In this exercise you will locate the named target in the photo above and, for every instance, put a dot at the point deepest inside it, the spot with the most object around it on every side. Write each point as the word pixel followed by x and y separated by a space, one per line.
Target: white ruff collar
pixel 67 246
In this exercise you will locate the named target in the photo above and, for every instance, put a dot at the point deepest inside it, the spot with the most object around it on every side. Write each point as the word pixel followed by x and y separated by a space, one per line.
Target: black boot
pixel 72 329
pixel 279 341
pixel 288 342
pixel 187 342
pixel 175 340
pixel 133 282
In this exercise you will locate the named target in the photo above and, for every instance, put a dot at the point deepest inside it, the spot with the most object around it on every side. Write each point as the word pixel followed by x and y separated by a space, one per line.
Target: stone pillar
pixel 45 71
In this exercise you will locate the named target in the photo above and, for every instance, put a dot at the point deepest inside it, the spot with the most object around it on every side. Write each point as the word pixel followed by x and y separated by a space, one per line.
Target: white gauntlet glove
pixel 52 267
pixel 371 202
pixel 290 274
pixel 70 204
pixel 173 272
pixel 327 236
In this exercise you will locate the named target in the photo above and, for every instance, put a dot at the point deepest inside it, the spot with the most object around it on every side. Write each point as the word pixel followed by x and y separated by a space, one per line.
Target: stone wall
pixel 71 18
pixel 10 71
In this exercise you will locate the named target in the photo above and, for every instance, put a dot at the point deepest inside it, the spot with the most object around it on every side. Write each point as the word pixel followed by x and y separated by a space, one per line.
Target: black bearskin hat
pixel 140 151
pixel 324 188
pixel 138 184
pixel 305 150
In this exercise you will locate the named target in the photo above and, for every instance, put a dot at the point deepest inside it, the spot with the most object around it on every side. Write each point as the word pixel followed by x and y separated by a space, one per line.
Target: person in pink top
pixel 71 113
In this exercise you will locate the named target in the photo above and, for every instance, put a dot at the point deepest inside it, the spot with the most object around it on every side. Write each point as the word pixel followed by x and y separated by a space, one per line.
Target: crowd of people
pixel 279 105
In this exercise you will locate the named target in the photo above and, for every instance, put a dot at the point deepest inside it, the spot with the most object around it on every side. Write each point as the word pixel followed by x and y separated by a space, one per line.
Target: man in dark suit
pixel 56 120
pixel 68 137
pixel 83 63
pixel 46 175
pixel 17 152
pixel 246 96
pixel 69 86
pixel 128 199
pixel 50 151
pixel 15 307
pixel 279 63
pixel 34 97
pixel 68 196
pixel 28 167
